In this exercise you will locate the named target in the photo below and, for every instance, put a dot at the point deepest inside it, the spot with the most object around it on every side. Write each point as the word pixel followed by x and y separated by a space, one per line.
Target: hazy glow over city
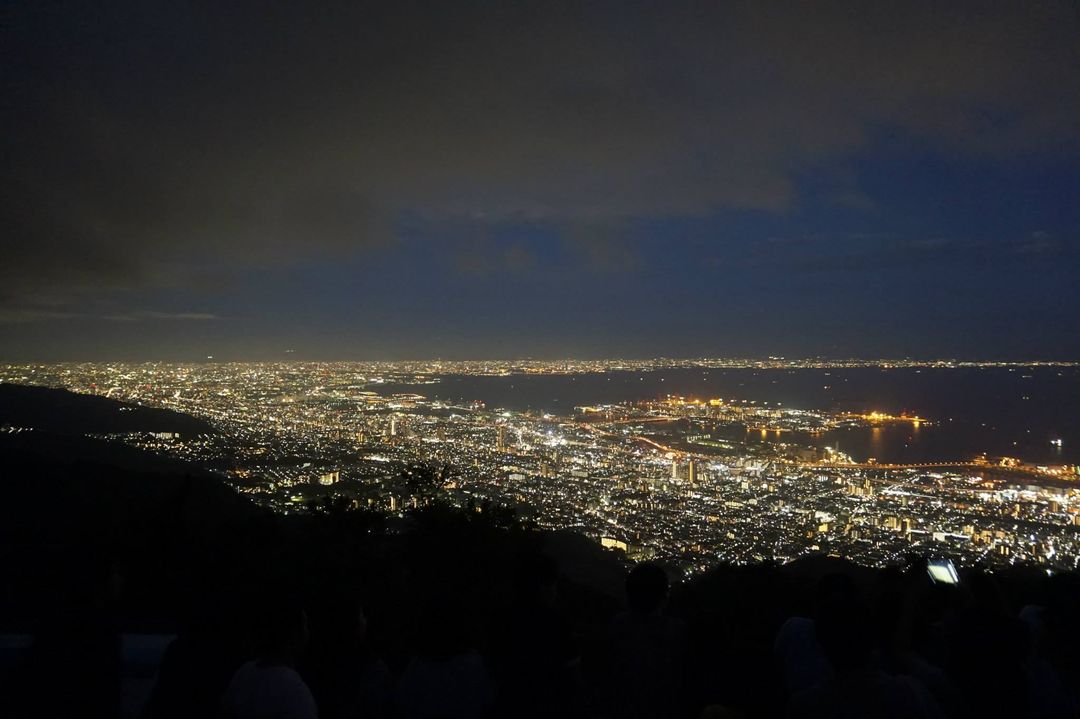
pixel 663 478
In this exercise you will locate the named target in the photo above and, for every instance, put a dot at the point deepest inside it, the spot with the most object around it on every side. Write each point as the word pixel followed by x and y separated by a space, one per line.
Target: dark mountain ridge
pixel 65 412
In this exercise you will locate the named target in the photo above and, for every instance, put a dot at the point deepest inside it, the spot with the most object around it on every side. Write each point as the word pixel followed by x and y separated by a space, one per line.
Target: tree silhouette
pixel 425 480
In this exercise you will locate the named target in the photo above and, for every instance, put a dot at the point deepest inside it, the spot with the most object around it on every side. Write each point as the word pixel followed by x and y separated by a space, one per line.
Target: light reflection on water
pixel 970 411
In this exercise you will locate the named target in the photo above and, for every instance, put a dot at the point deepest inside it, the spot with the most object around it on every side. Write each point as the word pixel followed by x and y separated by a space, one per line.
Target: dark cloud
pixel 605 247
pixel 153 144
pixel 35 314
pixel 861 253
pixel 481 256
pixel 157 315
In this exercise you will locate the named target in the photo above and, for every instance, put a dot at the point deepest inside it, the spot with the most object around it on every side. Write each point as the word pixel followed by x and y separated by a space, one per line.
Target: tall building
pixel 501 441
pixel 674 469
pixel 691 472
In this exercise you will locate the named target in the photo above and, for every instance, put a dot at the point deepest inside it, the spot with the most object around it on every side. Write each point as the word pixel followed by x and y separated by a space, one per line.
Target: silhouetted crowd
pixel 896 645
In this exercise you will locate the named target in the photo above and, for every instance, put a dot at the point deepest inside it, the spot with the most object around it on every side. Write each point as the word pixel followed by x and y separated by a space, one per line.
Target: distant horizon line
pixel 734 360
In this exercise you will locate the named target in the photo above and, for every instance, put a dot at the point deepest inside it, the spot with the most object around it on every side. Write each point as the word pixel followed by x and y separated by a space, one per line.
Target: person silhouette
pixel 533 653
pixel 857 687
pixel 269 687
pixel 74 666
pixel 447 679
pixel 642 663
pixel 198 664
pixel 346 676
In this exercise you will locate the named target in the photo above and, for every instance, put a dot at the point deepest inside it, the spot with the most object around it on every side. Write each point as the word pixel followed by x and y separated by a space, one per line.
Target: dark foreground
pixel 454 613
pixel 457 613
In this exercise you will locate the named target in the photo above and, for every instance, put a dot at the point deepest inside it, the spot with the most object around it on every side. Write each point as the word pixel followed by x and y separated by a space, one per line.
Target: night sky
pixel 511 179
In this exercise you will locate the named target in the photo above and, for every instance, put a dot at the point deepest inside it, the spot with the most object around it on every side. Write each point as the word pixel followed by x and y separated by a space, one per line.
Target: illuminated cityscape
pixel 663 479
pixel 519 360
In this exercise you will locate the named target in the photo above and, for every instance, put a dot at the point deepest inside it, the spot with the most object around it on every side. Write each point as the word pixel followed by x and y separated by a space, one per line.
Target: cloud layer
pixel 158 144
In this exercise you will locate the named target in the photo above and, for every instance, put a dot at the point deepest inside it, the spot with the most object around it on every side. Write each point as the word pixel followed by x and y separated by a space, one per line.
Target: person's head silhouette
pixel 282 634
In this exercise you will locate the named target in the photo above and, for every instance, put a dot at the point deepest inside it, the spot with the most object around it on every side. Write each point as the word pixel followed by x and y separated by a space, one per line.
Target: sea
pixel 997 411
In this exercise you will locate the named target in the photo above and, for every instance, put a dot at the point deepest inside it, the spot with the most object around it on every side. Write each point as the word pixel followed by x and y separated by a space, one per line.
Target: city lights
pixel 651 478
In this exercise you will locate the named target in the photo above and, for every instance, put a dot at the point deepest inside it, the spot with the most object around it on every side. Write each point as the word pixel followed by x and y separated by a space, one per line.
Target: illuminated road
pixel 1027 471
